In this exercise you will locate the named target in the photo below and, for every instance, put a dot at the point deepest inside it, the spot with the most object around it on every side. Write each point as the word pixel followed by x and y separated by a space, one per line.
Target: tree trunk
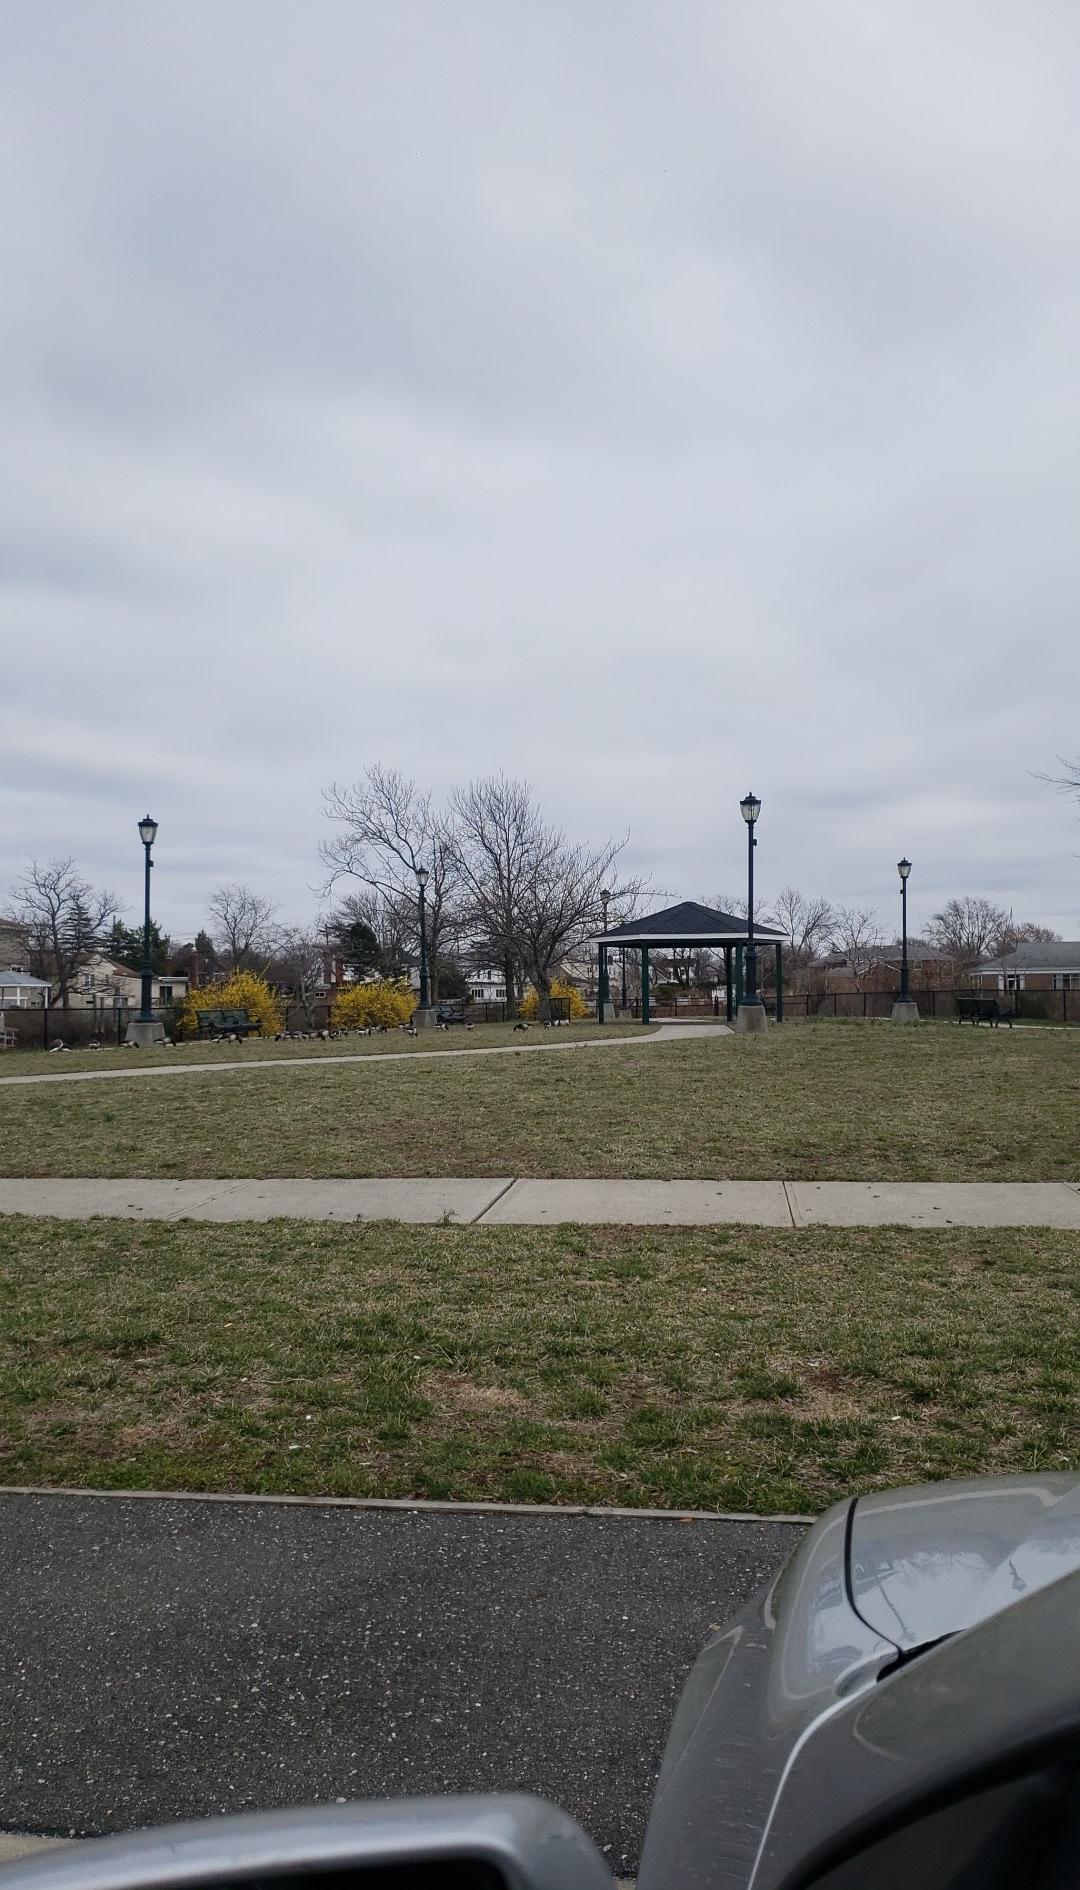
pixel 543 991
pixel 511 993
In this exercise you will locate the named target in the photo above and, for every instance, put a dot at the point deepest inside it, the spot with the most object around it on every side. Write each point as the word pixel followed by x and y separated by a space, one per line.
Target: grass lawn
pixel 735 1369
pixel 845 1101
pixel 256 1049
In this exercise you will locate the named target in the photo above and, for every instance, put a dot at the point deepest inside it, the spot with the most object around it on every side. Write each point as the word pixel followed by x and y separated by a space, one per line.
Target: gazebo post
pixel 601 986
pixel 729 995
pixel 779 984
pixel 644 984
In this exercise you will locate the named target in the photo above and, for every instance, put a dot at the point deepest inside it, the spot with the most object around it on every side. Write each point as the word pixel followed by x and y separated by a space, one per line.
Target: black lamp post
pixel 147 834
pixel 422 880
pixel 750 808
pixel 903 867
pixel 605 901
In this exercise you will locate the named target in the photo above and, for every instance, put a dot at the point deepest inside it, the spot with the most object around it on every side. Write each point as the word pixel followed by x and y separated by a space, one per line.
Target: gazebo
pixel 683 927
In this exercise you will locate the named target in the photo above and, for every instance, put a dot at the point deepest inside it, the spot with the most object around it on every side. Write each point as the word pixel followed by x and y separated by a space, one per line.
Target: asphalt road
pixel 163 1659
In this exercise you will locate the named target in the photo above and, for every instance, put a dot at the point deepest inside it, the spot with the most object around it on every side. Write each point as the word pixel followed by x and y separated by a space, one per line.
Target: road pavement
pixel 162 1659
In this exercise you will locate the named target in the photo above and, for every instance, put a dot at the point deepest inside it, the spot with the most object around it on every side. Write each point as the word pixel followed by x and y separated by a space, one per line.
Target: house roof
pixel 685 924
pixel 22 981
pixel 1062 954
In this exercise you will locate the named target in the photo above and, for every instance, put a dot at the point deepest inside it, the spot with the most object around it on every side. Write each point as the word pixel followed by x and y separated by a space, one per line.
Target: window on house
pixel 165 994
pixel 1014 981
pixel 500 992
pixel 88 981
pixel 1067 981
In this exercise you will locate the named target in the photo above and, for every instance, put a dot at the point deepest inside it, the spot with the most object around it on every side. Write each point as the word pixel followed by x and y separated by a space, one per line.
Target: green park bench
pixel 980 1010
pixel 226 1024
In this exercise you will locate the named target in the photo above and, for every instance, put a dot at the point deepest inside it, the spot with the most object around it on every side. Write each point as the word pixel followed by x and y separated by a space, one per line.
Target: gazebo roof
pixel 685 924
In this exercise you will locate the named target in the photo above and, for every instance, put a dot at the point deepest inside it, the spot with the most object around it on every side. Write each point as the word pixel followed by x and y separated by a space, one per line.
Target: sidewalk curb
pixel 434 1505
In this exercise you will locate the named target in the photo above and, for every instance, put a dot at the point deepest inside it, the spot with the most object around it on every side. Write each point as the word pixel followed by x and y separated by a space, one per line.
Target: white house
pixel 486 986
pixel 104 985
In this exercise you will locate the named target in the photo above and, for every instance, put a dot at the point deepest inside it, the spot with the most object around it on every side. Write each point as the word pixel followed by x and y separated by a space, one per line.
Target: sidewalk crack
pixel 494 1202
pixel 790 1204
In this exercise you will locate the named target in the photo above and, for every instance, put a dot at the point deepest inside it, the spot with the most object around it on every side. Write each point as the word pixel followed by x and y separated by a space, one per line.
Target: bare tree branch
pixel 242 925
pixel 64 919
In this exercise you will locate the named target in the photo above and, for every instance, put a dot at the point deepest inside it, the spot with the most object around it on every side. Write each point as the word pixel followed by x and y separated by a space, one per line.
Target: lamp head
pixel 147 830
pixel 751 808
pixel 903 867
pixel 422 875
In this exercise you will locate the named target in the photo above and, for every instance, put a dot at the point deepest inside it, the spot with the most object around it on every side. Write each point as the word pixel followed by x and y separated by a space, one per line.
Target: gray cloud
pixel 649 401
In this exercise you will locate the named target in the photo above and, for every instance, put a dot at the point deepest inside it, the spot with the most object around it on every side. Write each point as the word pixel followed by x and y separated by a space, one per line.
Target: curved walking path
pixel 501 1200
pixel 665 1033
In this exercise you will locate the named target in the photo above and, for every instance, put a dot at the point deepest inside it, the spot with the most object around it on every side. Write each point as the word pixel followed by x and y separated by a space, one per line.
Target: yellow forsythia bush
pixel 560 990
pixel 243 991
pixel 386 1002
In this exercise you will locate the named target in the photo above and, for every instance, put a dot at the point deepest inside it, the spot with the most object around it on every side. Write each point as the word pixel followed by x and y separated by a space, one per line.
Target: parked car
pixel 899 1708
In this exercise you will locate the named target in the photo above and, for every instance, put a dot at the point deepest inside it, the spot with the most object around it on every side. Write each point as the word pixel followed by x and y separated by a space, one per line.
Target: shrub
pixel 386 1001
pixel 561 989
pixel 242 991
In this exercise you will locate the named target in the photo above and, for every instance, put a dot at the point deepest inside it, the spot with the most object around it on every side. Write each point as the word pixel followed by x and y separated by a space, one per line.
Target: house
pixel 852 969
pixel 102 984
pixel 486 986
pixel 19 991
pixel 1032 966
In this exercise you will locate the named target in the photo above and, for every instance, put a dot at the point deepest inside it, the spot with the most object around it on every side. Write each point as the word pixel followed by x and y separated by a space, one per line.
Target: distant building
pixel 1054 966
pixel 20 992
pixel 486 986
pixel 104 985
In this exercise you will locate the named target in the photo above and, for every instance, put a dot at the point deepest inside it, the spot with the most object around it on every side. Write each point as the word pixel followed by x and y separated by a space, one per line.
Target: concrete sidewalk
pixel 664 1033
pixel 503 1201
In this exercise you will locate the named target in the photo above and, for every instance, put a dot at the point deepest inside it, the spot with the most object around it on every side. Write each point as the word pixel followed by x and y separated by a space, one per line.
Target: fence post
pixel 44 1026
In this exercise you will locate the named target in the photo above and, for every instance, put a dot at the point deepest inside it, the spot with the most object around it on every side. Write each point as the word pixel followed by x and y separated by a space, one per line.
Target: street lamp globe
pixel 147 830
pixel 422 875
pixel 903 867
pixel 751 808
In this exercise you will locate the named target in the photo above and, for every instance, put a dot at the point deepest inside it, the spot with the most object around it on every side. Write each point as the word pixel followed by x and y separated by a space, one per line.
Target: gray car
pixel 900 1707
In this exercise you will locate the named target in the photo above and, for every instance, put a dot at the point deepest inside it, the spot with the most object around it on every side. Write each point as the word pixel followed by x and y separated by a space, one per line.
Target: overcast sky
pixel 654 401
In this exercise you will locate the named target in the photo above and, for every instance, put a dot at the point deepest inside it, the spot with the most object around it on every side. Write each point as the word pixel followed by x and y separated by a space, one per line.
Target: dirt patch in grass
pixel 740 1369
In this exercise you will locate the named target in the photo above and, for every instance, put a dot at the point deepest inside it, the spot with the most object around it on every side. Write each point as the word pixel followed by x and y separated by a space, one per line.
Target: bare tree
pixel 807 923
pixel 243 926
pixel 560 902
pixel 1069 781
pixel 390 922
pixel 529 895
pixel 298 963
pixel 856 932
pixel 968 928
pixel 387 831
pixel 64 920
pixel 495 829
pixel 1023 932
pixel 735 903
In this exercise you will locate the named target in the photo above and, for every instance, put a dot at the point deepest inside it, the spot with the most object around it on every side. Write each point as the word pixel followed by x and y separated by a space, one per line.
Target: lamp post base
pixel 143 1035
pixel 905 1011
pixel 751 1016
pixel 424 1017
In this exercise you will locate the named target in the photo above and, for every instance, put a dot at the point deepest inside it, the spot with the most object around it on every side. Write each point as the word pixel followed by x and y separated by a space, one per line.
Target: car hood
pixel 928 1561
